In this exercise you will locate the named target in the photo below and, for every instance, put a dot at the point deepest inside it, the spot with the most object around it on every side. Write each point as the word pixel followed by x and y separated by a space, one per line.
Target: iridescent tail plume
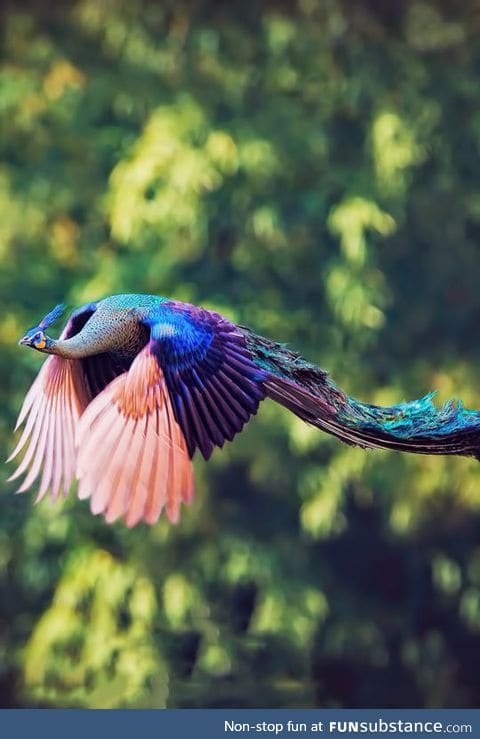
pixel 416 426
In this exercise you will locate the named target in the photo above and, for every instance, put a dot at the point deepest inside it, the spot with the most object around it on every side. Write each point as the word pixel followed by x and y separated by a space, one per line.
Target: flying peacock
pixel 137 383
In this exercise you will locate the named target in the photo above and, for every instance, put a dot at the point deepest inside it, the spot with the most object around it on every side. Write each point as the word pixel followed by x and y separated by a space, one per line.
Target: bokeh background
pixel 309 168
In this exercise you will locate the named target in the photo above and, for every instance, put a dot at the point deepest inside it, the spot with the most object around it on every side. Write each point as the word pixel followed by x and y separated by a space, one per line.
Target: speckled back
pixel 115 324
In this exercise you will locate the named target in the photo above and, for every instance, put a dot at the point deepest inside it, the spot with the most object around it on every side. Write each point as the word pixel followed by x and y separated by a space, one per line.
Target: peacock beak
pixel 24 340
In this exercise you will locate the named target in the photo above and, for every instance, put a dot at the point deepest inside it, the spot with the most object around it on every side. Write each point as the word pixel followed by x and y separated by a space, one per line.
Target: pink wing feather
pixel 124 446
pixel 132 456
pixel 52 409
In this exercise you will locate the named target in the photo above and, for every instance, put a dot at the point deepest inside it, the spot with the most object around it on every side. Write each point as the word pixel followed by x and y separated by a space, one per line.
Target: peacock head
pixel 36 337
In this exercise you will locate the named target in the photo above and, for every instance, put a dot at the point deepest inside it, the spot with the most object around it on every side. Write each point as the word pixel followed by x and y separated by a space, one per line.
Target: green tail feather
pixel 416 426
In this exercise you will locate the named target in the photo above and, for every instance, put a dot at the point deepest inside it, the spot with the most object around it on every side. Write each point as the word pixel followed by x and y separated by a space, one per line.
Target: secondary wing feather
pixel 132 456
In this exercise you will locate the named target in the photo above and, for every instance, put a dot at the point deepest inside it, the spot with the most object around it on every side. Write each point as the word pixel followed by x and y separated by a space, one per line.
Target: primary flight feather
pixel 136 383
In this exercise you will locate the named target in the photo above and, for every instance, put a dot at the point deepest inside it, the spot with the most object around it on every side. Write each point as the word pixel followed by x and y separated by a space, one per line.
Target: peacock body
pixel 137 383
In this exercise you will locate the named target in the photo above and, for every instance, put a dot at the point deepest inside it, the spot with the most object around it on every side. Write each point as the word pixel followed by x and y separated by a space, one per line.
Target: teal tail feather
pixel 417 426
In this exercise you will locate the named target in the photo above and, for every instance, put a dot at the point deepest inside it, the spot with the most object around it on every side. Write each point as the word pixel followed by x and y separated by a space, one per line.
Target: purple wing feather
pixel 212 380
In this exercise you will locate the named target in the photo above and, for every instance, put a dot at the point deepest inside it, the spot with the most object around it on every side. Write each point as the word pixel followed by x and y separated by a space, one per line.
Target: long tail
pixel 416 426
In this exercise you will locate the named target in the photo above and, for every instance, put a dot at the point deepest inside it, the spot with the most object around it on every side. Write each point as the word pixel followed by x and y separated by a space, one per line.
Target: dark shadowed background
pixel 310 169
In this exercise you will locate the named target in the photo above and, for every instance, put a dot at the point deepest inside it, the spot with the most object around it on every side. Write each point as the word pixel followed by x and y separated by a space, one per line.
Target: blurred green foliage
pixel 311 170
pixel 93 646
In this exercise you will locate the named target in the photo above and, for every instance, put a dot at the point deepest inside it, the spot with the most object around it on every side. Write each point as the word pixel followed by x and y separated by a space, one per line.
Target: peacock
pixel 137 383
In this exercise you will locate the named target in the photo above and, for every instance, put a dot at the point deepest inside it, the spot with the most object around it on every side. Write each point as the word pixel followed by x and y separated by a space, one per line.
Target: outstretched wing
pixel 193 385
pixel 213 383
pixel 51 411
pixel 132 456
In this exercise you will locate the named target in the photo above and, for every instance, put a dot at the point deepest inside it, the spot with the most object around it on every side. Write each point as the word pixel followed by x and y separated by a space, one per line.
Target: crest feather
pixel 52 316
